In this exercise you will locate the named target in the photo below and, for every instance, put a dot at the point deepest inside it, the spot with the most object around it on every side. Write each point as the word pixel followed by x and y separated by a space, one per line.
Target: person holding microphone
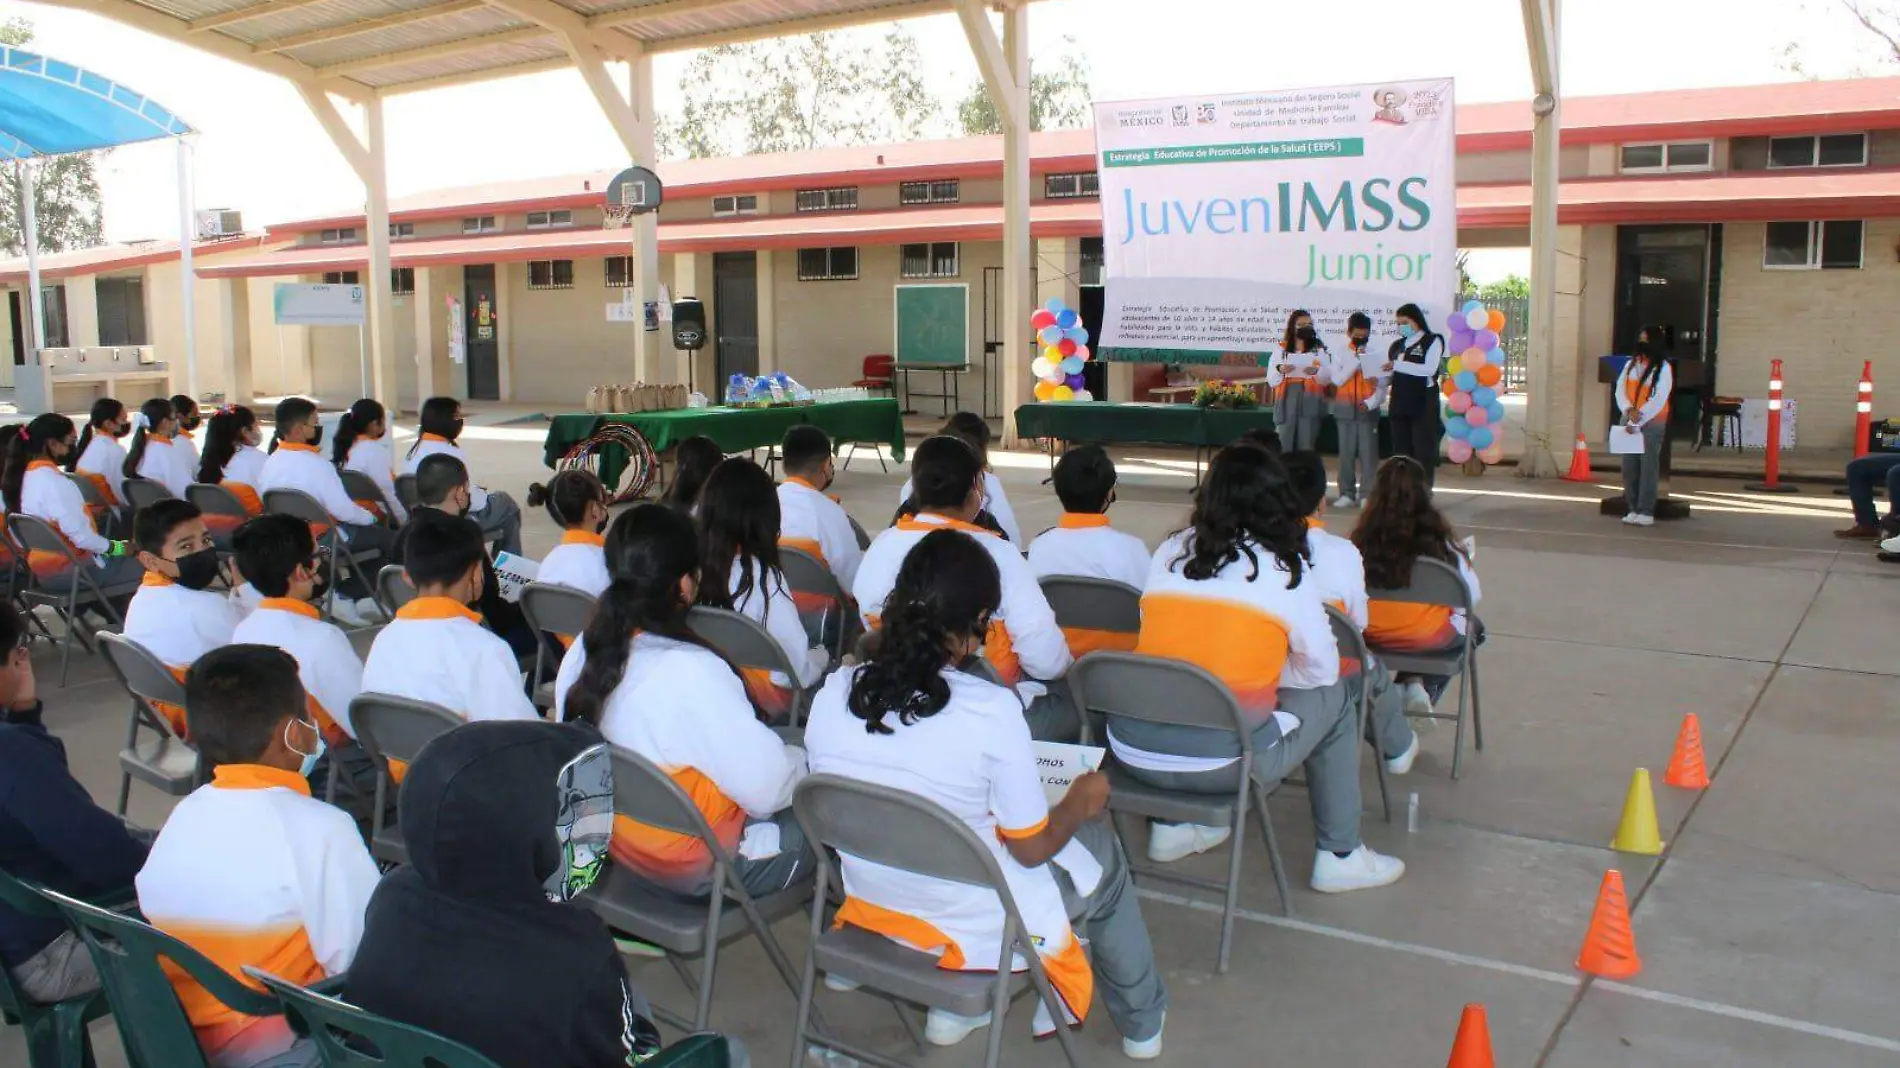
pixel 1294 379
pixel 1357 398
pixel 1642 403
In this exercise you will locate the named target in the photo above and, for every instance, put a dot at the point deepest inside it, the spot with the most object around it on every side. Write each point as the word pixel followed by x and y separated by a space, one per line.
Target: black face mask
pixel 316 439
pixel 1360 342
pixel 1644 349
pixel 122 431
pixel 1306 334
pixel 197 571
pixel 455 429
pixel 601 527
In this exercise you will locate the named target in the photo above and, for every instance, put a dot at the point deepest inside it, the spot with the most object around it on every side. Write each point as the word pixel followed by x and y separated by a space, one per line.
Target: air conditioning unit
pixel 220 222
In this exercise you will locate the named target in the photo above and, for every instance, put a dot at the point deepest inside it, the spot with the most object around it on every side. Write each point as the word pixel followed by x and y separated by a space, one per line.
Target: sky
pixel 260 151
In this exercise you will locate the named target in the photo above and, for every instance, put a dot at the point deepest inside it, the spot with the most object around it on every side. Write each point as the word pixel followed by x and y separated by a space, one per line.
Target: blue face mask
pixel 1407 330
pixel 309 759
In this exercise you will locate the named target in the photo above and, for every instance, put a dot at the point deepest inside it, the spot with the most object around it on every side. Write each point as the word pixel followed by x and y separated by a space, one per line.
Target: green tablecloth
pixel 1161 424
pixel 874 420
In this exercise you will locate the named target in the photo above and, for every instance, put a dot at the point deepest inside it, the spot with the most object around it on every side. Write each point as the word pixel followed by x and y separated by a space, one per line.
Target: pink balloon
pixel 1459 451
pixel 1083 352
pixel 1460 402
pixel 1485 340
pixel 1491 453
pixel 1475 415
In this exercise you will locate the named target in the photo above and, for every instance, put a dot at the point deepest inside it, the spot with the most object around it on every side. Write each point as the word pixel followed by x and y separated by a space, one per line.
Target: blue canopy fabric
pixel 51 108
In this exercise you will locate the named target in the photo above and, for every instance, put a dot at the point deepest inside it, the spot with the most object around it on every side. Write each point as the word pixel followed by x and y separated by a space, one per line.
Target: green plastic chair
pixel 56 1035
pixel 349 1037
pixel 152 1023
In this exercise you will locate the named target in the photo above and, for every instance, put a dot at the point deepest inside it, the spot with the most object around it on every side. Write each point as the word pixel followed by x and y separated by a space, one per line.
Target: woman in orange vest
pixel 1642 404
pixel 1294 377
pixel 1357 398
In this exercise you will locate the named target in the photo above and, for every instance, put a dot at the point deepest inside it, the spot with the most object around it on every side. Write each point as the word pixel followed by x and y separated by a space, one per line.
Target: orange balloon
pixel 1497 321
pixel 1448 387
pixel 1490 374
pixel 1045 390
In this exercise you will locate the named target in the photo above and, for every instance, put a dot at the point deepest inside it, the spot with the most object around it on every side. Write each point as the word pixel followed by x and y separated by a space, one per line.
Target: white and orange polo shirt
pixel 429 445
pixel 1345 369
pixel 1337 572
pixel 1024 640
pixel 327 663
pixel 770 602
pixel 437 650
pixel 579 563
pixel 995 502
pixel 681 706
pixel 250 869
pixel 305 469
pixel 812 522
pixel 165 463
pixel 178 625
pixel 47 494
pixel 1421 627
pixel 104 463
pixel 1083 544
pixel 976 760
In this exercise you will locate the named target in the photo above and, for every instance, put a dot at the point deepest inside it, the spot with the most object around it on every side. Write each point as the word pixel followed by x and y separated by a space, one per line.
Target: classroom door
pixel 18 321
pixel 735 316
pixel 1665 277
pixel 483 332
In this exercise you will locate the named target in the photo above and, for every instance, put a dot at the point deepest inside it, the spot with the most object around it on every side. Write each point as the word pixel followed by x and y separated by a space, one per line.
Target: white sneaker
pixel 1345 500
pixel 1402 763
pixel 1643 520
pixel 1147 1049
pixel 345 612
pixel 1362 869
pixel 1891 545
pixel 1169 842
pixel 834 981
pixel 1417 701
pixel 947 1028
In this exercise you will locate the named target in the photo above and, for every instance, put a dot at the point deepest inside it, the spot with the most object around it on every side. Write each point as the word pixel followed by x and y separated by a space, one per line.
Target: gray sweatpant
pixel 501 522
pixel 1120 952
pixel 63 969
pixel 1358 446
pixel 1324 742
pixel 1641 472
pixel 1386 726
pixel 1297 414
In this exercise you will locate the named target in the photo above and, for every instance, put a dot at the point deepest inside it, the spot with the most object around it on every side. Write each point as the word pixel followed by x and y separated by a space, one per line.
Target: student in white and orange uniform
pixel 278 558
pixel 973 430
pixel 649 685
pixel 440 422
pixel 1643 389
pixel 1295 378
pixel 175 615
pixel 1357 398
pixel 34 485
pixel 296 462
pixel 1025 648
pixel 577 502
pixel 1230 594
pixel 1398 526
pixel 739 571
pixel 909 720
pixel 185 410
pixel 436 648
pixel 100 457
pixel 810 520
pixel 362 445
pixel 1082 543
pixel 1337 574
pixel 155 454
pixel 250 869
pixel 232 460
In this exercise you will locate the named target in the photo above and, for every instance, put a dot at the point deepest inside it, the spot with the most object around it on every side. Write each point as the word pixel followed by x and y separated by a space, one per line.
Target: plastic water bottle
pixel 736 389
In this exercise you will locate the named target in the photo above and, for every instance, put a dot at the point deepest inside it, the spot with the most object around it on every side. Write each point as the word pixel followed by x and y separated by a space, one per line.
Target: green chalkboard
pixel 933 326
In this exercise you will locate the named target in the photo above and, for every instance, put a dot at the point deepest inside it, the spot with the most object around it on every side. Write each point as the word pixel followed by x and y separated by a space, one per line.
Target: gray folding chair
pixel 361 487
pixel 747 643
pixel 33 534
pixel 806 574
pixel 216 500
pixel 684 929
pixel 310 510
pixel 1157 690
pixel 857 529
pixel 394 588
pixel 1353 644
pixel 1435 582
pixel 142 493
pixel 900 830
pixel 851 450
pixel 89 492
pixel 553 609
pixel 394 728
pixel 162 758
pixel 1093 604
pixel 406 492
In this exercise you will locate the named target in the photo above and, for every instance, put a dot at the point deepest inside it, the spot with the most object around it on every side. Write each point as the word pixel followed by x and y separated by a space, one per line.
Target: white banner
pixel 1223 214
pixel 302 304
pixel 458 330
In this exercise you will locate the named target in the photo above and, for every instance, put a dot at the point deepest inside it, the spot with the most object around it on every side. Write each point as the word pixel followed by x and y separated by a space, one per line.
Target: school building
pixel 1752 223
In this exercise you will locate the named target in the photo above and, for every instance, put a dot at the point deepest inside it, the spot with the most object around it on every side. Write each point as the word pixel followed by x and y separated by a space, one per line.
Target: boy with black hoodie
pixel 506 822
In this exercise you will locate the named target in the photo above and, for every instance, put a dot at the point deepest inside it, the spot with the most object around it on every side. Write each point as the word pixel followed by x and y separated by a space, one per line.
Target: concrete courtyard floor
pixel 1769 928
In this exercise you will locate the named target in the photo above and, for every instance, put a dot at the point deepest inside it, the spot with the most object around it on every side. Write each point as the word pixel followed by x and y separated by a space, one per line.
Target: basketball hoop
pixel 618 217
pixel 634 191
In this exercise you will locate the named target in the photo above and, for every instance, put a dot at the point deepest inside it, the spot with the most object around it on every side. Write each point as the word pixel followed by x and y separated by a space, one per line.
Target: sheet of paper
pixel 513 572
pixel 1060 762
pixel 1372 362
pixel 1625 440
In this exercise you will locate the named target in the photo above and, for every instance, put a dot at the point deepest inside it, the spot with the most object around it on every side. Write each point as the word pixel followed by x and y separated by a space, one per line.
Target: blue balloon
pixel 1465 380
pixel 1481 438
pixel 1050 335
pixel 1496 410
pixel 1457 427
pixel 1483 396
pixel 1078 334
pixel 1066 318
pixel 1056 307
pixel 1495 356
pixel 1471 306
pixel 1072 365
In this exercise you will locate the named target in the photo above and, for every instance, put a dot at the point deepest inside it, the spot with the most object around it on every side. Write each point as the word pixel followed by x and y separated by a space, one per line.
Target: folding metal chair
pixel 1100 608
pixel 361 487
pixel 857 529
pixel 1435 582
pixel 406 492
pixel 1157 690
pixel 95 501
pixel 645 794
pixel 877 450
pixel 142 493
pixel 806 574
pixel 164 759
pixel 553 609
pixel 394 728
pixel 215 500
pixel 33 534
pixel 900 830
pixel 1353 644
pixel 394 588
pixel 747 643
pixel 308 509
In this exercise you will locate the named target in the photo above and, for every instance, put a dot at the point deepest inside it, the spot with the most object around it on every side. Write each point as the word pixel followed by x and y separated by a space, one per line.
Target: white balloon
pixel 1083 395
pixel 1055 376
pixel 1040 367
pixel 1479 319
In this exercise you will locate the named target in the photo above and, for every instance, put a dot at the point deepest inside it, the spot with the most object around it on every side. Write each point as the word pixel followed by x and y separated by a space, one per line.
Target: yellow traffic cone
pixel 1638 833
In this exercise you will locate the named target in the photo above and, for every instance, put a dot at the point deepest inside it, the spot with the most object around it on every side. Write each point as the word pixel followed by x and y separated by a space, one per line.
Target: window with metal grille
pixel 1662 158
pixel 402 281
pixel 1828 150
pixel 842 198
pixel 738 204
pixel 1094 263
pixel 400 230
pixel 619 272
pixel 551 274
pixel 1070 186
pixel 945 192
pixel 341 278
pixel 546 220
pixel 936 259
pixel 341 235
pixel 479 224
pixel 827 264
pixel 1808 246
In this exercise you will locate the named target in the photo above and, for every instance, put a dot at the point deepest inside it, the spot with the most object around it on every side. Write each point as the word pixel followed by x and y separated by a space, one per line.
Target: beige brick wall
pixel 1821 324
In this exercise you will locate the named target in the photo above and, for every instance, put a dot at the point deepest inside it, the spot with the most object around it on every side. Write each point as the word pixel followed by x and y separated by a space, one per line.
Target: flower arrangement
pixel 1220 393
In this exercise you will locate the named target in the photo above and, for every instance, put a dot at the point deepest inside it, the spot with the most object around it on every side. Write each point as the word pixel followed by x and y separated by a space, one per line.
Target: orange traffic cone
pixel 1472 1047
pixel 1579 462
pixel 1609 947
pixel 1686 767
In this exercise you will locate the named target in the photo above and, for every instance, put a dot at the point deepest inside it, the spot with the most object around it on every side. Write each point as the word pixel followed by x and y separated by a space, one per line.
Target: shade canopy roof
pixel 52 108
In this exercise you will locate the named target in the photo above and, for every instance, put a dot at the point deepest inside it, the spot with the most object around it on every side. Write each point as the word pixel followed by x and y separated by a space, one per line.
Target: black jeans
pixel 1417 436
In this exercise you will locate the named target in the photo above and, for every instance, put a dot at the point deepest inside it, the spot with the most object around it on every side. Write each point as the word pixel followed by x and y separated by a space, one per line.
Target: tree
pixel 1510 287
pixel 795 93
pixel 66 201
pixel 1058 98
pixel 1880 21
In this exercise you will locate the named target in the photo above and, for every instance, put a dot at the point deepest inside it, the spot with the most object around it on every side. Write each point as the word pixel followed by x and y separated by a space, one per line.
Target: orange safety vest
pixel 1637 387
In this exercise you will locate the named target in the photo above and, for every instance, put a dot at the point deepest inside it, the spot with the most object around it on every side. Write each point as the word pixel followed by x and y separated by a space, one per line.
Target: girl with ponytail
pixel 577 502
pixel 154 456
pixel 648 684
pixel 909 720
pixel 34 485
pixel 185 439
pixel 99 456
pixel 362 445
pixel 233 460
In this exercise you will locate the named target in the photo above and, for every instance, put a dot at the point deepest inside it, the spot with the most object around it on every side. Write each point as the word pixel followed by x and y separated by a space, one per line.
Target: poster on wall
pixel 307 304
pixel 1223 214
pixel 458 331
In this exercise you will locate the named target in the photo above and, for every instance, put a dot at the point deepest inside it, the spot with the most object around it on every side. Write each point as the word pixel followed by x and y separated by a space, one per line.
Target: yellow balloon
pixel 1045 390
pixel 1063 393
pixel 1052 354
